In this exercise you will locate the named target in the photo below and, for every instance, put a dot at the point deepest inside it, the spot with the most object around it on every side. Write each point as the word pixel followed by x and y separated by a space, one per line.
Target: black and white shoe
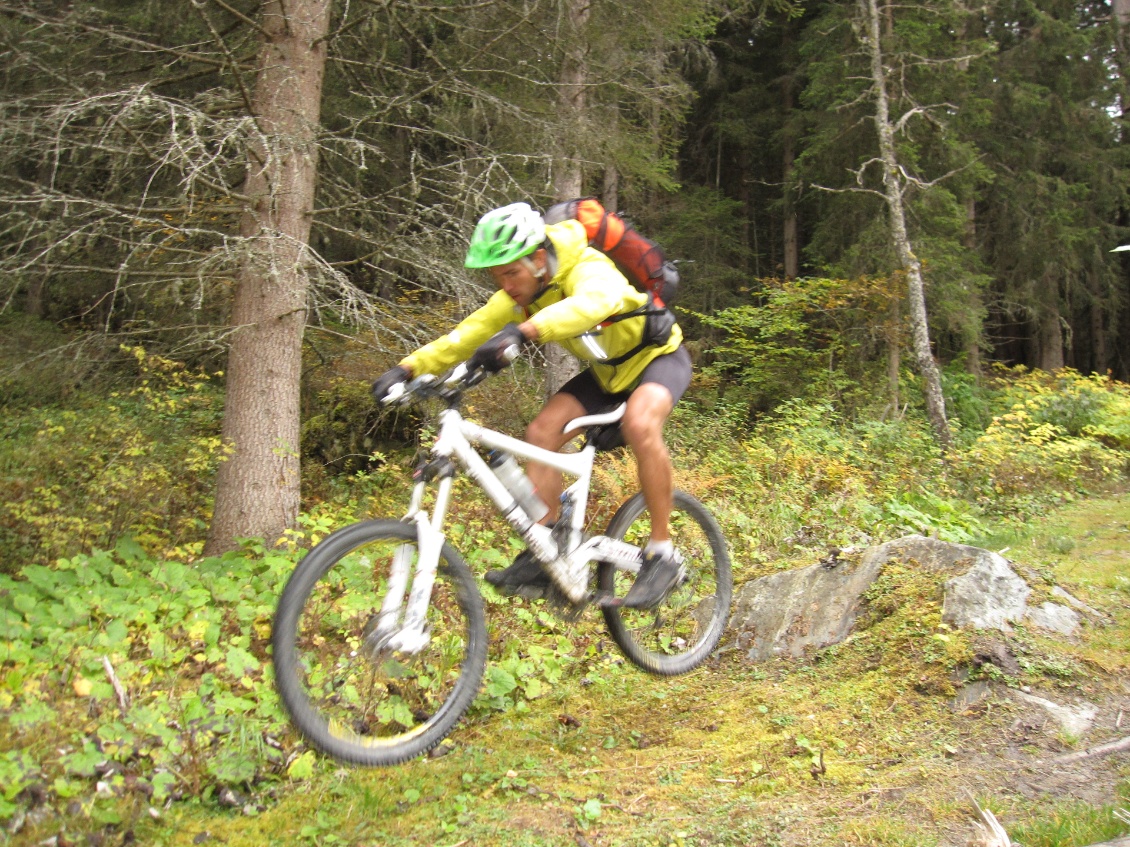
pixel 658 576
pixel 524 577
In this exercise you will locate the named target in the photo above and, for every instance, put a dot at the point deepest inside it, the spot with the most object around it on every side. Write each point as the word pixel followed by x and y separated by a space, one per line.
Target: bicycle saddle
pixel 601 419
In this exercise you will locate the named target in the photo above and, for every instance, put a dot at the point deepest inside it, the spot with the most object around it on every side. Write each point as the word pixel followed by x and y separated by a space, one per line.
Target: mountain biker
pixel 552 286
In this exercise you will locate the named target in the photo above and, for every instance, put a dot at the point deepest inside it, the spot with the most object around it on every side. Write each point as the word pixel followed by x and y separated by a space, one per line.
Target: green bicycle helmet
pixel 505 235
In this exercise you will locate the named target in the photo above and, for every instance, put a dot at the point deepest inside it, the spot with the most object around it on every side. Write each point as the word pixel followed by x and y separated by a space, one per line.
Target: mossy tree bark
pixel 568 174
pixel 257 491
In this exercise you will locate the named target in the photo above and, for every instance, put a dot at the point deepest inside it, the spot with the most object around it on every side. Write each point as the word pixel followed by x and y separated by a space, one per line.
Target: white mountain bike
pixel 380 639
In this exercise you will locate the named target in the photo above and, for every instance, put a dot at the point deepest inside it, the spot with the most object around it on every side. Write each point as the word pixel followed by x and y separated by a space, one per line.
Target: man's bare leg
pixel 648 409
pixel 545 431
pixel 525 574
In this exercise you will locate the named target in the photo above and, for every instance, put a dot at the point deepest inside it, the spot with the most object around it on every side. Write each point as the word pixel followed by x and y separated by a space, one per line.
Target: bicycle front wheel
pixel 351 698
pixel 684 629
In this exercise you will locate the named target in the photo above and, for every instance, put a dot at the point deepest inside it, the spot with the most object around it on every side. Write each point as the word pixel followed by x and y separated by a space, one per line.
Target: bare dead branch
pixel 1094 752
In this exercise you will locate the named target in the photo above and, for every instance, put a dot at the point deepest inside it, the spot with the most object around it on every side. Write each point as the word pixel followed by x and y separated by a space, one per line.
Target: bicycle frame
pixel 560 551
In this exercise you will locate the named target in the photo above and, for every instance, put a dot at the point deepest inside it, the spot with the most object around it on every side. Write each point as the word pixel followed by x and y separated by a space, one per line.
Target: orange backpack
pixel 638 258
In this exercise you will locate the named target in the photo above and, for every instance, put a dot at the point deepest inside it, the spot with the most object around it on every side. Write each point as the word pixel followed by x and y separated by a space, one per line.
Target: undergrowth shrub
pixel 42 364
pixel 137 463
pixel 1065 399
pixel 806 478
pixel 1054 434
pixel 127 678
pixel 345 432
pixel 814 336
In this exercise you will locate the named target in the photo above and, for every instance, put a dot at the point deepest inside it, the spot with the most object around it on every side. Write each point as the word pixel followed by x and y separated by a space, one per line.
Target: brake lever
pixel 457 375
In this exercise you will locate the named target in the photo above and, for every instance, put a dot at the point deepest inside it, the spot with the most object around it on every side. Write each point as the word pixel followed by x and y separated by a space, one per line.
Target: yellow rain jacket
pixel 585 291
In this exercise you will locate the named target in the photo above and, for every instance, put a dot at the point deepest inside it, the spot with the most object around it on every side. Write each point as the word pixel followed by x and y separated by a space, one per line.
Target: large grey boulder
pixel 789 613
pixel 794 611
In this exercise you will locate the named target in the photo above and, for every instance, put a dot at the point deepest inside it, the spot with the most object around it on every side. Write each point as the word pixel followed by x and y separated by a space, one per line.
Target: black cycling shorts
pixel 671 370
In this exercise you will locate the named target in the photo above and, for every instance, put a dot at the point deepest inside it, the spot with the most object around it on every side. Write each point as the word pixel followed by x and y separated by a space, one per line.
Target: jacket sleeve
pixel 458 345
pixel 593 292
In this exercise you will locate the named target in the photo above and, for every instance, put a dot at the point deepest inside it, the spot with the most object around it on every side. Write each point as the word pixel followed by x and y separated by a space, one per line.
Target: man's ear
pixel 541 261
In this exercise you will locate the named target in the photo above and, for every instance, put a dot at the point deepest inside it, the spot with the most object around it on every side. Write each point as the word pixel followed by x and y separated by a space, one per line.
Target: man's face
pixel 517 280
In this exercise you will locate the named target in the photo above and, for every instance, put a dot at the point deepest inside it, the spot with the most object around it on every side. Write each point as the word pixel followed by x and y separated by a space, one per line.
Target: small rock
pixel 1074 720
pixel 439 751
pixel 996 653
pixel 229 798
pixel 971 695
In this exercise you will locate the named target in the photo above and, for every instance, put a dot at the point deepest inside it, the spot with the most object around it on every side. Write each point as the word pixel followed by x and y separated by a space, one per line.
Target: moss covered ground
pixel 860 745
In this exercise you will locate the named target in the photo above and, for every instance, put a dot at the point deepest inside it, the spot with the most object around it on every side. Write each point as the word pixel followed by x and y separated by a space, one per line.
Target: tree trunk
pixel 972 331
pixel 916 295
pixel 257 489
pixel 1121 20
pixel 894 354
pixel 610 193
pixel 1050 340
pixel 791 243
pixel 569 178
pixel 1100 359
pixel 35 301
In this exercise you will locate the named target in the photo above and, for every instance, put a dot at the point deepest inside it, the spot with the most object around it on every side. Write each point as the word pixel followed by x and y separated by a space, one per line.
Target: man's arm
pixel 458 345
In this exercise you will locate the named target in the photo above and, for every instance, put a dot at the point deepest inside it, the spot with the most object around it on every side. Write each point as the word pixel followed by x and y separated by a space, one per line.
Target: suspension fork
pixel 400 626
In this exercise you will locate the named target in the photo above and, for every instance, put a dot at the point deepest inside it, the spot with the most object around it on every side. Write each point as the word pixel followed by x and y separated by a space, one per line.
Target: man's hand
pixel 491 356
pixel 384 383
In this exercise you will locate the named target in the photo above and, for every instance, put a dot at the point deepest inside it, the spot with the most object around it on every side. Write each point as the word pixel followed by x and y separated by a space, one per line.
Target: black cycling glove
pixel 384 383
pixel 491 355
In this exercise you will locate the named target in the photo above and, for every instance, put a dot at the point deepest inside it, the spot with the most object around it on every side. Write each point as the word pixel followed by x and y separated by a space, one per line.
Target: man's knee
pixel 547 429
pixel 646 414
pixel 540 432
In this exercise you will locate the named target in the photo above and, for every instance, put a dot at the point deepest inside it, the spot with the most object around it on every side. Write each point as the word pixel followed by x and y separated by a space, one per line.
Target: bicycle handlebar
pixel 452 384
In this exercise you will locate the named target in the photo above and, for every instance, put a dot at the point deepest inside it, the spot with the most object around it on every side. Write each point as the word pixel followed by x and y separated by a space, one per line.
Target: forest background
pixel 894 226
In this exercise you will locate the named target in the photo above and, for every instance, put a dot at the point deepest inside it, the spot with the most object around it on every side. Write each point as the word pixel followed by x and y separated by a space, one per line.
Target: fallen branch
pixel 1094 752
pixel 990 832
pixel 123 698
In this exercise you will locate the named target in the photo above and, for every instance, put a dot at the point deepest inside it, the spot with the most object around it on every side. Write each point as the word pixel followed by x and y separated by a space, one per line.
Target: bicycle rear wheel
pixel 684 629
pixel 365 704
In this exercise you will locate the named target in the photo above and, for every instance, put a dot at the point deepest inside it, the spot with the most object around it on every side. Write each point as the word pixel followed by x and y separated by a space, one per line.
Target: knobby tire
pixel 374 708
pixel 686 627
